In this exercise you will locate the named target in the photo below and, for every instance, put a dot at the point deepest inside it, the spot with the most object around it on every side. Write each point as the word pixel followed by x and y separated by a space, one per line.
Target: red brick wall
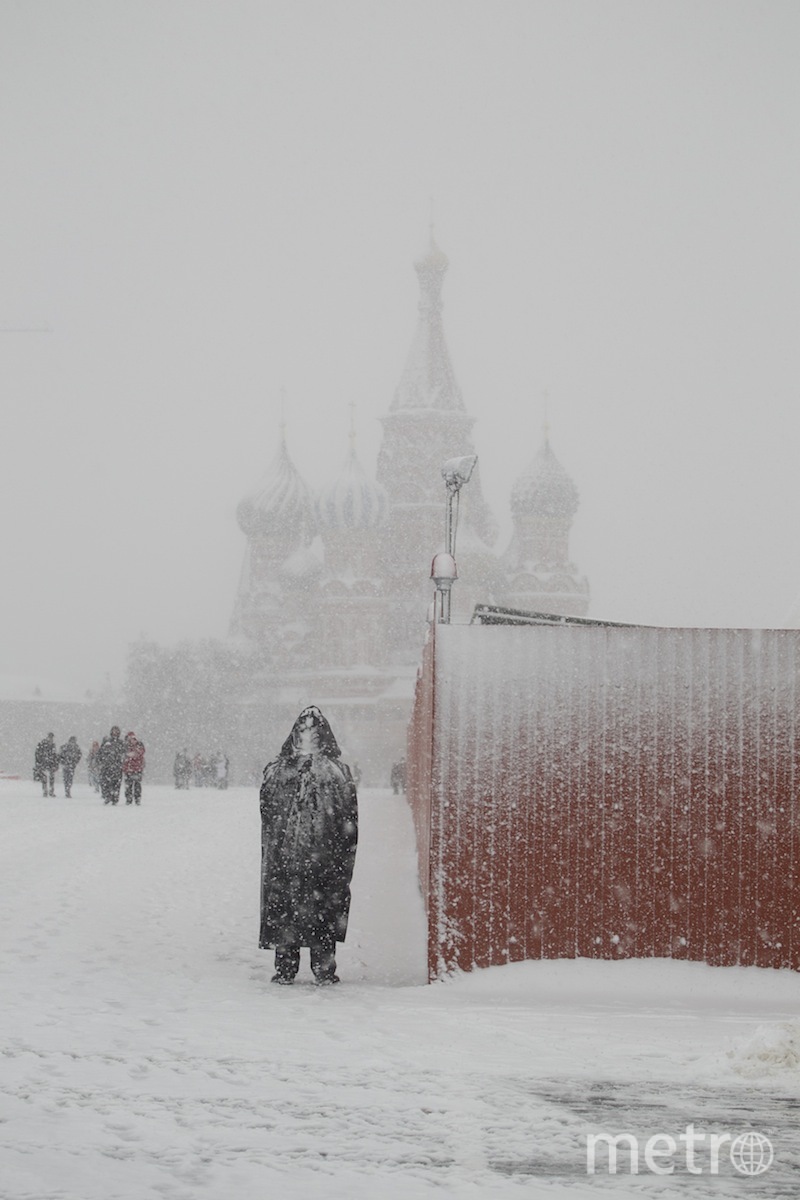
pixel 608 792
pixel 419 760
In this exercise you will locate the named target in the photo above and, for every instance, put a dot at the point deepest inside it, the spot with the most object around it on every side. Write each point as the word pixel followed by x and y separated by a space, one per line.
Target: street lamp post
pixel 444 572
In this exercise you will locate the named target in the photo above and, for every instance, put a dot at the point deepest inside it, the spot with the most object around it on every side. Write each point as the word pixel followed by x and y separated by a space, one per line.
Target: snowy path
pixel 145 1053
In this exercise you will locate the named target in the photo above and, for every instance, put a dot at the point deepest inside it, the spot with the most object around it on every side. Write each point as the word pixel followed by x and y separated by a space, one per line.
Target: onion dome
pixel 283 500
pixel 545 489
pixel 354 501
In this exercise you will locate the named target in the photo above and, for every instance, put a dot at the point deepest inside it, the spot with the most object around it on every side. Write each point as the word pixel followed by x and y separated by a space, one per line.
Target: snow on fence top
pixel 607 791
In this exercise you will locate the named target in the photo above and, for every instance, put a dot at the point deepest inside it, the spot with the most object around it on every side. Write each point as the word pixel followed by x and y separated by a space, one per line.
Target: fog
pixel 207 204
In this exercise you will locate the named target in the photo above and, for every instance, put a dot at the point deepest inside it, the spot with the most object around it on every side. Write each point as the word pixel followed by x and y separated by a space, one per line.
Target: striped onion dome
pixel 354 501
pixel 282 499
pixel 545 489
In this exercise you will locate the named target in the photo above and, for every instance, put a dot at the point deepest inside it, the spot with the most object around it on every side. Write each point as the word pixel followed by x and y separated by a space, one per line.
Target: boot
pixel 323 960
pixel 326 980
pixel 287 963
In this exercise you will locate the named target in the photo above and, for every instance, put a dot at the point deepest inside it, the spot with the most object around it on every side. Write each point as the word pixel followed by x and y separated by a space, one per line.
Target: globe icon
pixel 751 1153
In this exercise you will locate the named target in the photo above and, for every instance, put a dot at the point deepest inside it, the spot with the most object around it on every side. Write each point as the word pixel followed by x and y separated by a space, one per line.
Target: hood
pixel 310 722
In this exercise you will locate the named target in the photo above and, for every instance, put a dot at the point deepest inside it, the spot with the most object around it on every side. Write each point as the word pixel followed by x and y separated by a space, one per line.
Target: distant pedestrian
pixel 133 768
pixel 109 765
pixel 199 770
pixel 398 777
pixel 186 770
pixel 91 766
pixel 69 756
pixel 220 764
pixel 45 764
pixel 182 769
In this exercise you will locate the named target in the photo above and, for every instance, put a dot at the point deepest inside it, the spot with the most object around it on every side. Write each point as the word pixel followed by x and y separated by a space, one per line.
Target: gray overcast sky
pixel 210 201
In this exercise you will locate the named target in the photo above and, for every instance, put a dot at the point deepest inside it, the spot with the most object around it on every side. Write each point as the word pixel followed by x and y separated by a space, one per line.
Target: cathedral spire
pixel 428 380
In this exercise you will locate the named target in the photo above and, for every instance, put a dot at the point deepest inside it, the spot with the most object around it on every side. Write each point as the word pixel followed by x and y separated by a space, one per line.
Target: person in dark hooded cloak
pixel 309 831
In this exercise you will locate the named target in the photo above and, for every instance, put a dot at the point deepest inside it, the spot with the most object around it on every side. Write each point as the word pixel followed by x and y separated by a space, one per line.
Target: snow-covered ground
pixel 146 1054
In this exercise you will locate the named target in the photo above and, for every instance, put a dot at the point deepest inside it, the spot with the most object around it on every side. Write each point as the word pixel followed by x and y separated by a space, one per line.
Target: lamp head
pixel 457 471
pixel 444 570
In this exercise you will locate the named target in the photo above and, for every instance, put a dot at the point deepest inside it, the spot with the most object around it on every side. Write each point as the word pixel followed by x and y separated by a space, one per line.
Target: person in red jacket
pixel 133 768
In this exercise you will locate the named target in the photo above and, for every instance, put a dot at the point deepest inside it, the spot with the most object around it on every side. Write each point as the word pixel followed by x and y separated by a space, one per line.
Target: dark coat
pixel 70 754
pixel 108 762
pixel 45 758
pixel 309 831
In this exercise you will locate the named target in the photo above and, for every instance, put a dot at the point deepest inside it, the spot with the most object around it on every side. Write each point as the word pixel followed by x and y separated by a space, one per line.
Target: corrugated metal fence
pixel 608 792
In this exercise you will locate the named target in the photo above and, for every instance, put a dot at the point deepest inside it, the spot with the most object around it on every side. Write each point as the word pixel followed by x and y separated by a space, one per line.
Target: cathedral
pixel 335 593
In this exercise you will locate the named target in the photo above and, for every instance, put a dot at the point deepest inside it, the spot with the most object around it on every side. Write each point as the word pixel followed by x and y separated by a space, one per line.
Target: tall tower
pixel 427 423
pixel 540 576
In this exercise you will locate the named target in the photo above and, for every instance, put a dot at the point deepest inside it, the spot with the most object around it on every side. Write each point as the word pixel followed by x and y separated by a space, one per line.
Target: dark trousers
pixel 133 789
pixel 323 958
pixel 68 774
pixel 109 786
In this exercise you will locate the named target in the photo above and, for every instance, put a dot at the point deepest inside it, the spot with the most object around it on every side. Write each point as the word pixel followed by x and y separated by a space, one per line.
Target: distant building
pixel 334 591
pixel 30 708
